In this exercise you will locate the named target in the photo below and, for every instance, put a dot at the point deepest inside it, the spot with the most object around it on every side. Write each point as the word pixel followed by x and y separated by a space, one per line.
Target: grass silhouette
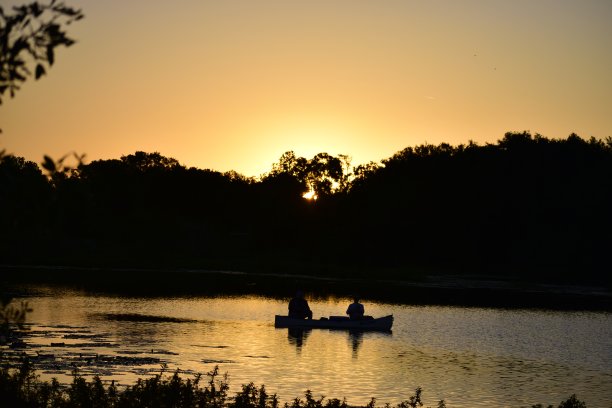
pixel 20 387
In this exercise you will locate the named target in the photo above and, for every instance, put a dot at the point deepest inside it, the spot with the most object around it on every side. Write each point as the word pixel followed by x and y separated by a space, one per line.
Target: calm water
pixel 470 357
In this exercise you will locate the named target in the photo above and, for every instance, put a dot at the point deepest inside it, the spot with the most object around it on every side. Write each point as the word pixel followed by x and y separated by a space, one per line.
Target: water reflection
pixel 496 357
pixel 297 337
pixel 355 339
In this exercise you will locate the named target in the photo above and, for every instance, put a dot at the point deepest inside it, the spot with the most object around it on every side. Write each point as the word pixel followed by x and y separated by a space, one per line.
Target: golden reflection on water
pixel 469 357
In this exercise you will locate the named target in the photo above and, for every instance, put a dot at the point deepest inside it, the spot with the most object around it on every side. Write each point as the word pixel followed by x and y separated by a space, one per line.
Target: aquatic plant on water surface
pixel 21 387
pixel 12 316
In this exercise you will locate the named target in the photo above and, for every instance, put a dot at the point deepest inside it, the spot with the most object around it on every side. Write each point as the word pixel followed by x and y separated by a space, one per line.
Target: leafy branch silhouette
pixel 28 39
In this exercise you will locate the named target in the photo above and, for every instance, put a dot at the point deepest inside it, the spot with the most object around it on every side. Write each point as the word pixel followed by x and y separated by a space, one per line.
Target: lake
pixel 470 357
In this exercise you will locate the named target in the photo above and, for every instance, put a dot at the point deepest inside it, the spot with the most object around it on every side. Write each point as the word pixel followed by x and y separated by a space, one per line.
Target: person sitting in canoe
pixel 298 307
pixel 355 309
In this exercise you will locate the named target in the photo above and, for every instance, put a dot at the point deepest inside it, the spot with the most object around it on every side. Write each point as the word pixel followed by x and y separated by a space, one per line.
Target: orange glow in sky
pixel 231 85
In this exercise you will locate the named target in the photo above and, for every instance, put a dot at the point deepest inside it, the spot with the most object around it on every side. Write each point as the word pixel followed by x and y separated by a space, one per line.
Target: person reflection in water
pixel 355 309
pixel 356 338
pixel 298 307
pixel 297 337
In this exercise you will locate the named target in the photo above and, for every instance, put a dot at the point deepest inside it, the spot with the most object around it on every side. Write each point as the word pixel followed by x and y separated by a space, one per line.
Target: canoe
pixel 335 322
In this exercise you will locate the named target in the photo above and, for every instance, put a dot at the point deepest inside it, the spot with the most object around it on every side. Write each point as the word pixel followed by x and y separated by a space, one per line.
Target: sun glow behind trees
pixel 322 175
pixel 310 195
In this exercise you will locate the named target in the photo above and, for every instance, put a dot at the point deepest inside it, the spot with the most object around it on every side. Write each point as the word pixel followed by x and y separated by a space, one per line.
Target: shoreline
pixel 432 289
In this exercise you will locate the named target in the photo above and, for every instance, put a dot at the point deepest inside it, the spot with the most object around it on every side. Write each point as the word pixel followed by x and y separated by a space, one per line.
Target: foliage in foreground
pixel 22 388
pixel 29 35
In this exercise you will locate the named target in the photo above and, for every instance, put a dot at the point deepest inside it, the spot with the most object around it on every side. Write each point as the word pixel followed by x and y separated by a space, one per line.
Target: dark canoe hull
pixel 379 324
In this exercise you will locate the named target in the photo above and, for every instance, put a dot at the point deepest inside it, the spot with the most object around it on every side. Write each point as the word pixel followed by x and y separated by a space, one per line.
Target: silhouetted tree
pixel 25 207
pixel 143 161
pixel 526 205
pixel 322 174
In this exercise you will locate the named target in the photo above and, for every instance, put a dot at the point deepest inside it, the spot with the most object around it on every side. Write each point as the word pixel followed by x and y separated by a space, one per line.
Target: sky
pixel 232 84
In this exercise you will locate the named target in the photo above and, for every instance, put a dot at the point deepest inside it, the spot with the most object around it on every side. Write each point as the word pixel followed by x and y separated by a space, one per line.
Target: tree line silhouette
pixel 526 206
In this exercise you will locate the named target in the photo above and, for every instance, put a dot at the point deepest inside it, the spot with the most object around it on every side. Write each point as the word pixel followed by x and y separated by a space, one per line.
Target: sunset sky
pixel 232 84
